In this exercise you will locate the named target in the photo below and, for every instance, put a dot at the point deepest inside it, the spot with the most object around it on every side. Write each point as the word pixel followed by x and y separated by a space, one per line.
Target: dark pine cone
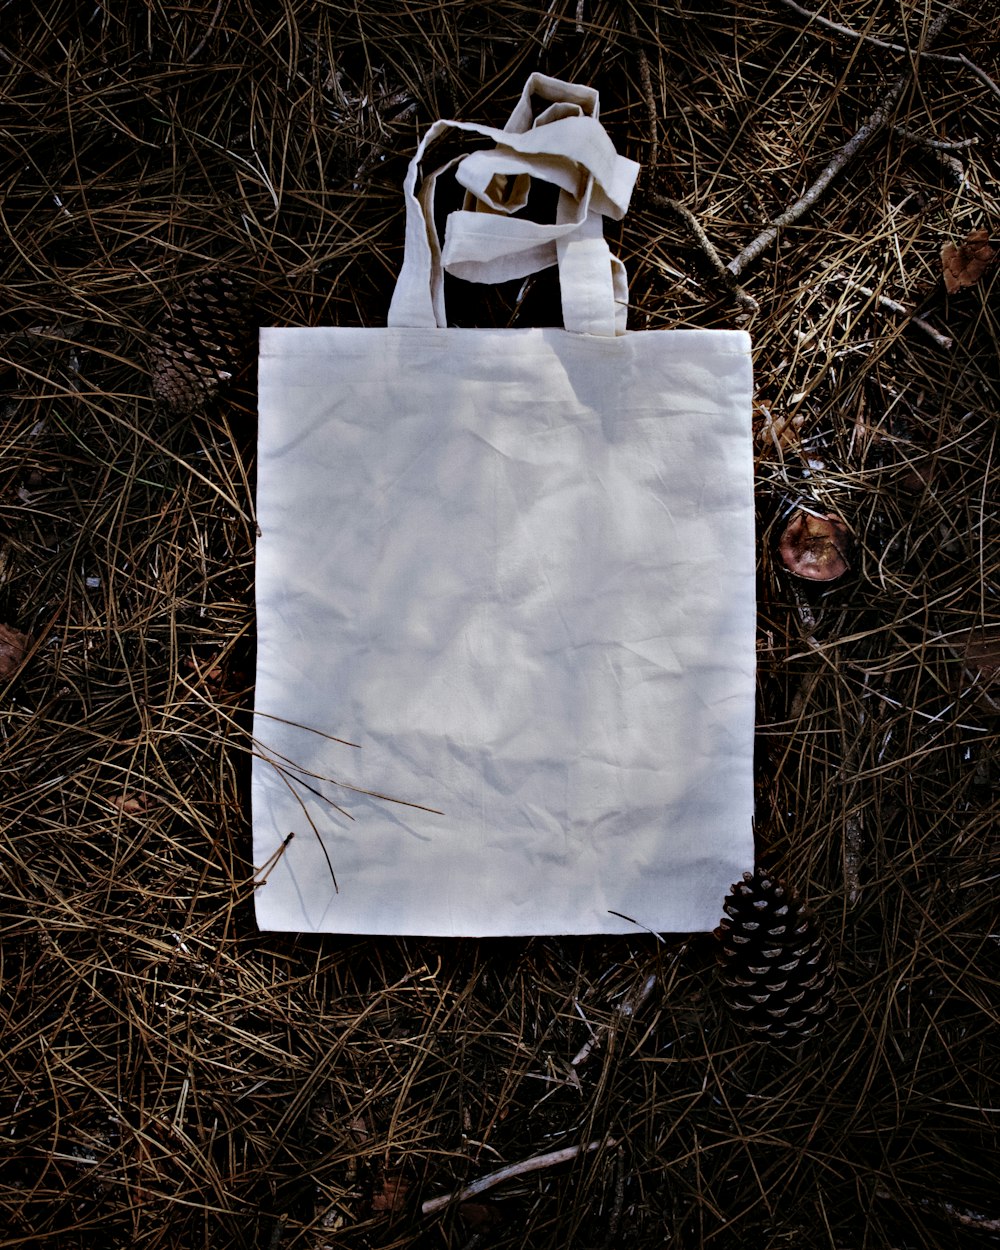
pixel 776 968
pixel 204 339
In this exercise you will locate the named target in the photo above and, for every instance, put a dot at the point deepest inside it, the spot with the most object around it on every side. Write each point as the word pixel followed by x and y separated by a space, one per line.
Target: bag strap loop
pixel 565 145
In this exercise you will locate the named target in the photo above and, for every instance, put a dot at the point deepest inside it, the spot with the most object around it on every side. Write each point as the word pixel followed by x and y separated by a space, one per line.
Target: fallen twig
pixel 646 79
pixel 205 37
pixel 535 1164
pixel 861 37
pixel 970 1219
pixel 893 305
pixel 625 1011
pixel 853 845
pixel 981 74
pixel 941 148
pixel 936 145
pixel 742 297
pixel 878 119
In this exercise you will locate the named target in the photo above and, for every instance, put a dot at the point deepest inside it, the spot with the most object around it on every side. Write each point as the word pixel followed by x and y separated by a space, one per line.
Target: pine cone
pixel 204 339
pixel 776 968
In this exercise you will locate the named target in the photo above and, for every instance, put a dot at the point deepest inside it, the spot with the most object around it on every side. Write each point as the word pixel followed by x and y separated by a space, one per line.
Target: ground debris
pixel 12 647
pixel 963 264
pixel 174 1077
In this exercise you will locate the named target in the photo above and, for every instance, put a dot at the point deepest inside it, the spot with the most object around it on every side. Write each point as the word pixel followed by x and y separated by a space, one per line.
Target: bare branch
pixel 940 148
pixel 825 22
pixel 971 1219
pixel 943 57
pixel 895 306
pixel 936 145
pixel 647 91
pixel 205 37
pixel 535 1164
pixel 625 1011
pixel 878 119
pixel 981 74
pixel 742 297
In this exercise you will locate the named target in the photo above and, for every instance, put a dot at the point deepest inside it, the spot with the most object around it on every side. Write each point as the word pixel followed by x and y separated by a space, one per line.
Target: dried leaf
pixel 12 645
pixel 209 672
pixel 980 651
pixel 391 1196
pixel 778 429
pixel 815 547
pixel 965 263
pixel 131 804
pixel 478 1214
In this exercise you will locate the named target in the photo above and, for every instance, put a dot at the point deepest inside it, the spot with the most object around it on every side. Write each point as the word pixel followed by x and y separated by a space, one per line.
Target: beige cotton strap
pixel 565 145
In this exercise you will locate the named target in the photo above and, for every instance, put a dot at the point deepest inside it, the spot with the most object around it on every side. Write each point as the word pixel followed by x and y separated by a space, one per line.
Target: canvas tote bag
pixel 514 568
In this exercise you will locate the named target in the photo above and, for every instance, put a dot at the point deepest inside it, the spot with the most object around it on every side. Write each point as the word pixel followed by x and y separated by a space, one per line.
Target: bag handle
pixel 565 145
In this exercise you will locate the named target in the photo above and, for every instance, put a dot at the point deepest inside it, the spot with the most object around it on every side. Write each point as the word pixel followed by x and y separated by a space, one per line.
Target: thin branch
pixel 205 37
pixel 646 79
pixel 810 16
pixel 895 306
pixel 936 145
pixel 625 1011
pixel 943 57
pixel 742 297
pixel 981 74
pixel 853 845
pixel 971 1219
pixel 878 119
pixel 940 148
pixel 535 1164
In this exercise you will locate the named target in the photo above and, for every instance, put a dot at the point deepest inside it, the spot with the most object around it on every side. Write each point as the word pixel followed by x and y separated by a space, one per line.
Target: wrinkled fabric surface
pixel 516 568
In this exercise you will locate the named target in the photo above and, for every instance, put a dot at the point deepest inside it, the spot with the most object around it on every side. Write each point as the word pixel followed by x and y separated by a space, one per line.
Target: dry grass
pixel 171 1077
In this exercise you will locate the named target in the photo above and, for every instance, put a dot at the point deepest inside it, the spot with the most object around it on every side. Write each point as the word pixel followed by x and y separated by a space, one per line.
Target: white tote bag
pixel 513 568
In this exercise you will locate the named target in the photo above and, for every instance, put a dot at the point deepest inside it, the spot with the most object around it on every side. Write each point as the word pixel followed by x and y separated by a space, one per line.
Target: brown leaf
pixel 210 672
pixel 12 645
pixel 130 804
pixel 478 1214
pixel 778 429
pixel 815 547
pixel 980 651
pixel 391 1196
pixel 965 264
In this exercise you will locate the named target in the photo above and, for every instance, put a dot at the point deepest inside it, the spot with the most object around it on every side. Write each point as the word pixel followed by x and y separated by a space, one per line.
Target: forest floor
pixel 173 1078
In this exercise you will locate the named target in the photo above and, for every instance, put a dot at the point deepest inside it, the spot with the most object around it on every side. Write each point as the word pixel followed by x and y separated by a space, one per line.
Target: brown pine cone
pixel 205 339
pixel 775 966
